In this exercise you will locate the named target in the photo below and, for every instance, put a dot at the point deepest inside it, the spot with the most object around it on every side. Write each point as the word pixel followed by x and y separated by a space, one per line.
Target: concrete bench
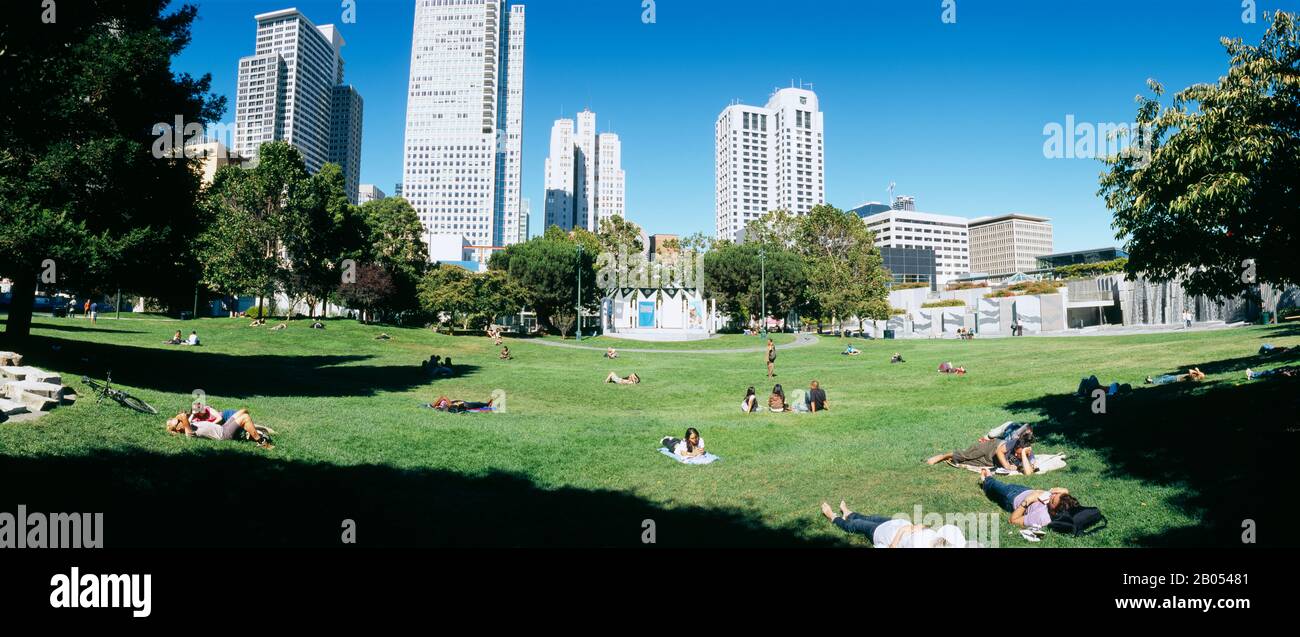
pixel 10 372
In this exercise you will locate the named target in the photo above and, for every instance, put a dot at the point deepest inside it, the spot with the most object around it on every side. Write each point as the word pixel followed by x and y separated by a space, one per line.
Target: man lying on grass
pixel 895 533
pixel 1194 375
pixel 450 406
pixel 231 424
pixel 1012 454
pixel 632 379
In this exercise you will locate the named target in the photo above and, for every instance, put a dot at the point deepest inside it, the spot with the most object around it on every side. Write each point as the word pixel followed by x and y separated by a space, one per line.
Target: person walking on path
pixel 771 358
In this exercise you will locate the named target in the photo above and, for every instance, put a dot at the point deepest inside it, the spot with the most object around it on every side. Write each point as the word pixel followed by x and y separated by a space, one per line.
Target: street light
pixel 578 314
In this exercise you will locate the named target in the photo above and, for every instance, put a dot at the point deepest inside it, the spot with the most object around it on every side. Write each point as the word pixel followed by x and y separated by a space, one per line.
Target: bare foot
pixel 828 511
pixel 985 474
pixel 844 510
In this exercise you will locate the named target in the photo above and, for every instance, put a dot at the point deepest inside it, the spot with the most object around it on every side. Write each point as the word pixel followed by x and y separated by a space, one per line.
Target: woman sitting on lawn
pixel 505 353
pixel 897 358
pixel 1012 455
pixel 750 404
pixel 232 424
pixel 894 533
pixel 175 339
pixel 851 350
pixel 1028 507
pixel 1193 374
pixel 632 379
pixel 776 402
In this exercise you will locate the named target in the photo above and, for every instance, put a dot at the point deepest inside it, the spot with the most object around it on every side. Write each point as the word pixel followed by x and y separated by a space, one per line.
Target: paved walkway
pixel 800 340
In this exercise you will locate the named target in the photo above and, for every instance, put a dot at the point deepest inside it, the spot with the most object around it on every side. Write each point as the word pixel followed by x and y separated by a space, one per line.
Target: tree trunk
pixel 19 325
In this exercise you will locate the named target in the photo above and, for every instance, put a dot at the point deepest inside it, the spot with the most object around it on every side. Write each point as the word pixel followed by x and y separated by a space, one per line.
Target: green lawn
pixel 573 461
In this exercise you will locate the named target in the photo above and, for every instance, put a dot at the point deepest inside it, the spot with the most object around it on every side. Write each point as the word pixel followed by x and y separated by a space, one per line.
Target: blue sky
pixel 953 113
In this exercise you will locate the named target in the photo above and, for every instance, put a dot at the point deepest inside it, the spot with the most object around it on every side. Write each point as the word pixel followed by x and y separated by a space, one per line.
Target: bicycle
pixel 105 390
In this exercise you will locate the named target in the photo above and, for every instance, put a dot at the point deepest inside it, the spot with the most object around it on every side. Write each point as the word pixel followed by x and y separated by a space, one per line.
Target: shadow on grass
pixel 81 328
pixel 1233 448
pixel 237 499
pixel 184 369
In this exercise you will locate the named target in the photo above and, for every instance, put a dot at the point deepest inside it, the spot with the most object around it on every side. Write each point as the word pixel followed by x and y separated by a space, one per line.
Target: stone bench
pixel 10 358
pixel 12 407
pixel 11 372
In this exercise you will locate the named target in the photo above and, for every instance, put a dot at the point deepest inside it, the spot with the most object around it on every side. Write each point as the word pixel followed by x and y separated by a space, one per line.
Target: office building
pixel 369 192
pixel 462 158
pixel 1010 243
pixel 910 265
pixel 585 181
pixel 768 158
pixel 286 92
pixel 946 235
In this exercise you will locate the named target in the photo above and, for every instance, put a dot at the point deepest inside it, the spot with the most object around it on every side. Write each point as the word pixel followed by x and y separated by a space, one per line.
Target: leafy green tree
pixel 393 241
pixel 846 275
pixel 79 184
pixel 372 290
pixel 546 271
pixel 734 278
pixel 315 242
pixel 1213 185
pixel 446 293
pixel 618 235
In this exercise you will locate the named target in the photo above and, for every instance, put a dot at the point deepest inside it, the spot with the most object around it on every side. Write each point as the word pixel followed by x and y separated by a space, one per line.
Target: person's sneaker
pixel 1250 375
pixel 265 442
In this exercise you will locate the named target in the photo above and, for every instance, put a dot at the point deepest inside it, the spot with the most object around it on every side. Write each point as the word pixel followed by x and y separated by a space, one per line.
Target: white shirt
pixel 194 339
pixel 680 449
pixel 922 539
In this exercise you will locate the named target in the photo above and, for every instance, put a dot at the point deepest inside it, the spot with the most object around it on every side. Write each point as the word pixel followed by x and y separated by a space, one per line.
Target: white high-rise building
pixel 286 92
pixel 585 181
pixel 947 235
pixel 769 158
pixel 1010 243
pixel 464 121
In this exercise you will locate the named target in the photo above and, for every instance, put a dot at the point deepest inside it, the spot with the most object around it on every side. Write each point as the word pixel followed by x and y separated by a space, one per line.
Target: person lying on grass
pixel 851 350
pixel 1013 454
pixel 1269 350
pixel 446 404
pixel 750 404
pixel 1193 375
pixel 1290 371
pixel 776 402
pixel 949 368
pixel 897 358
pixel 611 353
pixel 231 424
pixel 1028 507
pixel 175 339
pixel 632 379
pixel 895 533
pixel 689 446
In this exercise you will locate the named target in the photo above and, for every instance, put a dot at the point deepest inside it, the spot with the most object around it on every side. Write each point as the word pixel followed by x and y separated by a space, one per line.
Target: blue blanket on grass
pixel 707 458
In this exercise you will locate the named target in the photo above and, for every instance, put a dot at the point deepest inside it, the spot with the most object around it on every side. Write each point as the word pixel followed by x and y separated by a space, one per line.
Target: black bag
pixel 1078 521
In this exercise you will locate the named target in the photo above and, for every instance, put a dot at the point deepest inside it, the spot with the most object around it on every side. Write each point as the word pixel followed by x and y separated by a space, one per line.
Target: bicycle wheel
pixel 127 400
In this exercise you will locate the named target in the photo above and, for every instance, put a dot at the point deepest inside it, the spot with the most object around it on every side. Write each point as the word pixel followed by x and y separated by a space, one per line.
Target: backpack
pixel 1078 521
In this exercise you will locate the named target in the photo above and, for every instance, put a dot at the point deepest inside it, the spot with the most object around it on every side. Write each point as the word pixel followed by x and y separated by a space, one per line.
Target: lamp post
pixel 762 264
pixel 578 314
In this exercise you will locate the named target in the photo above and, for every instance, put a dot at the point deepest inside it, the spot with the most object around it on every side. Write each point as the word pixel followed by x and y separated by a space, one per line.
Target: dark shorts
pixel 229 428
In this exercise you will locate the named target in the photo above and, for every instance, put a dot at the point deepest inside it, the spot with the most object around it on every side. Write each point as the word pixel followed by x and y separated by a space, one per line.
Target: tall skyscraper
pixel 769 158
pixel 286 92
pixel 345 137
pixel 585 181
pixel 464 121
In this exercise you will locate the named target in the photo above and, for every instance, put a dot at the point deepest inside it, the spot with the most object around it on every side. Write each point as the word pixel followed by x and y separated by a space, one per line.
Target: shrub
pixel 967 285
pixel 909 286
pixel 1027 288
pixel 944 303
pixel 1086 270
pixel 896 311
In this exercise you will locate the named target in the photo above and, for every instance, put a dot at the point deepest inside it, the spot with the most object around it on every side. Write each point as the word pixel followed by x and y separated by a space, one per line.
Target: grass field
pixel 572 461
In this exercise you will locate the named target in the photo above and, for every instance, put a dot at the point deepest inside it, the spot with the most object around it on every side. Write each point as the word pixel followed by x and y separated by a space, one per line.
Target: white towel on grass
pixel 706 458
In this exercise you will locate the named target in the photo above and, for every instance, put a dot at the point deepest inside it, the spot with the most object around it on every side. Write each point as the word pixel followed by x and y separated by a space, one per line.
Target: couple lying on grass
pixel 1030 509
pixel 812 402
pixel 451 406
pixel 1008 447
pixel 231 424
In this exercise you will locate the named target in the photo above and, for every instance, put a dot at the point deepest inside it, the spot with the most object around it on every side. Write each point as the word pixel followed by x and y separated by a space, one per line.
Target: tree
pixel 79 184
pixel 372 290
pixel 446 291
pixel 546 271
pixel 1213 185
pixel 845 271
pixel 734 278
pixel 318 240
pixel 618 235
pixel 254 219
pixel 696 242
pixel 777 227
pixel 392 241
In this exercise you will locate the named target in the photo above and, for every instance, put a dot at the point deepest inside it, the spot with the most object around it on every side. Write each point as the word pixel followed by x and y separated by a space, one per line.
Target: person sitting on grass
pixel 949 368
pixel 1290 371
pixel 897 358
pixel 435 367
pixel 815 401
pixel 193 340
pixel 689 446
pixel 1012 454
pixel 851 350
pixel 1029 508
pixel 175 339
pixel 317 325
pixel 505 354
pixel 451 406
pixel 632 379
pixel 776 402
pixel 1193 375
pixel 895 533
pixel 611 353
pixel 750 404
pixel 231 424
